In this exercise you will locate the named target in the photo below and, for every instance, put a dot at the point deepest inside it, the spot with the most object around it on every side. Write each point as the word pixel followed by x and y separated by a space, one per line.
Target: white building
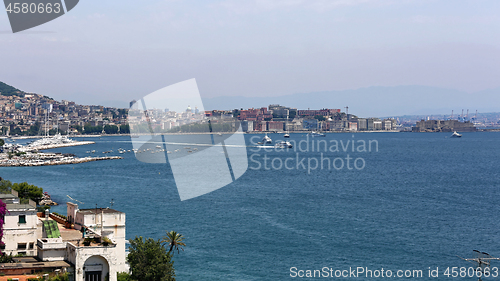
pixel 100 223
pixel 90 240
pixel 21 229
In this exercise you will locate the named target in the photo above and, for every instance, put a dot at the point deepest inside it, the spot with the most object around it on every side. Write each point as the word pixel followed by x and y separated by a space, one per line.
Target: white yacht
pixel 316 134
pixel 266 139
pixel 57 139
pixel 283 144
pixel 286 135
pixel 456 135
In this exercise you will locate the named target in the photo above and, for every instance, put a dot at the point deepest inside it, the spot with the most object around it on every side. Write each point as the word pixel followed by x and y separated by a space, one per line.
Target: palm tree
pixel 174 240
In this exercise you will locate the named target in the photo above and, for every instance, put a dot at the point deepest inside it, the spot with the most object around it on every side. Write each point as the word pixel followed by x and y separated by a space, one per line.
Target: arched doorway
pixel 95 269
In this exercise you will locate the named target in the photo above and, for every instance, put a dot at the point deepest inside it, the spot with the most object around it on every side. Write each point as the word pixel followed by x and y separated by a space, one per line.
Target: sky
pixel 110 52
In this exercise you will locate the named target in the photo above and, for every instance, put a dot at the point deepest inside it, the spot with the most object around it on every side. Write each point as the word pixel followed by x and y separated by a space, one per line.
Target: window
pixel 31 245
pixel 21 246
pixel 22 218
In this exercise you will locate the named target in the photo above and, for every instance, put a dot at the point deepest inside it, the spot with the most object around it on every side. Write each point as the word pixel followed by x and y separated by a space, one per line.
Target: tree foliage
pixel 320 117
pixel 125 129
pixel 174 241
pixel 111 129
pixel 88 129
pixel 28 191
pixel 8 90
pixel 78 128
pixel 5 186
pixel 150 261
pixel 123 276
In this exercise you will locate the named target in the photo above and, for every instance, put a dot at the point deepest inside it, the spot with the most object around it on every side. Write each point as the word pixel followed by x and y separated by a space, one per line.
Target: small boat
pixel 456 135
pixel 286 135
pixel 316 134
pixel 158 146
pixel 267 139
pixel 283 144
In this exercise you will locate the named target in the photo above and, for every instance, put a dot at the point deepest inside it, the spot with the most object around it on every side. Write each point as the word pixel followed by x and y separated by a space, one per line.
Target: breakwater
pixel 52 162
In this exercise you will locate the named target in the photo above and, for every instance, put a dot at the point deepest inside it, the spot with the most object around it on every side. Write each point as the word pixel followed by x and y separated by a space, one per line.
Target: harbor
pixel 54 145
pixel 357 204
pixel 29 155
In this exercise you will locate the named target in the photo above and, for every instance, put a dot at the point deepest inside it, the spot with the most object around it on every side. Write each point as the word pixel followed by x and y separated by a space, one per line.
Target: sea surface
pixel 419 201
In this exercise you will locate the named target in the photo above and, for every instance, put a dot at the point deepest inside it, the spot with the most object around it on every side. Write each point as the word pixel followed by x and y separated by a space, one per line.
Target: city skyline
pixel 112 54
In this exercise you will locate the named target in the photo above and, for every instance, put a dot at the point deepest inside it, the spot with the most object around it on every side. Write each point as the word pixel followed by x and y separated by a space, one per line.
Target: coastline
pixel 226 133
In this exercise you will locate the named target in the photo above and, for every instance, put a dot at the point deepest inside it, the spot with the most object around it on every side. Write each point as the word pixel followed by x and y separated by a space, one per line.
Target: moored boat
pixel 316 134
pixel 266 139
pixel 283 144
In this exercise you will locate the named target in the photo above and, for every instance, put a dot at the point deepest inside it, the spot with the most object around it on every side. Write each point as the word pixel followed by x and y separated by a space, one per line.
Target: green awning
pixel 51 229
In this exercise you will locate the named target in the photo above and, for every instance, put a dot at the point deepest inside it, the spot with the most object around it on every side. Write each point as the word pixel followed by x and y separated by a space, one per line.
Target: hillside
pixel 7 90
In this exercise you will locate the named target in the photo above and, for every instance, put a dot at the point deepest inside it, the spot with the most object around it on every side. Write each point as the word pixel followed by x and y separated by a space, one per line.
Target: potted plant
pixel 87 241
pixel 106 241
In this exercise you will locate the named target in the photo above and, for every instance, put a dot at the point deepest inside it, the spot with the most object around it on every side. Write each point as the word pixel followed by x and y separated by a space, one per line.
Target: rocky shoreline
pixel 53 162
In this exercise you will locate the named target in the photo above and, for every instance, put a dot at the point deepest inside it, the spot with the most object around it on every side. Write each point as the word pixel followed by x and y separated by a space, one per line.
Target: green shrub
pixel 60 277
pixel 106 241
pixel 123 276
pixel 57 214
pixel 6 258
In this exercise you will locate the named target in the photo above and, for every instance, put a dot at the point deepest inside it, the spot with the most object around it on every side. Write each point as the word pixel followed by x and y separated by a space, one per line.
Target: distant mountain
pixel 8 90
pixel 364 102
pixel 375 101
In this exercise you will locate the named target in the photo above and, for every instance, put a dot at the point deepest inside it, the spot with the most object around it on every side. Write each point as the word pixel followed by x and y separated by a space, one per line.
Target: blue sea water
pixel 420 200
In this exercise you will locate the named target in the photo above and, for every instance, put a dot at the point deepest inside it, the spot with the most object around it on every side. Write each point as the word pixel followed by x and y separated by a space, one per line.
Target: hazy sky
pixel 120 50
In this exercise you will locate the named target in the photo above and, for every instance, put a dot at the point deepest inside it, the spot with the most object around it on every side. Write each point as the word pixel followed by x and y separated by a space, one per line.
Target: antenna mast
pixel 482 261
pixel 347 114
